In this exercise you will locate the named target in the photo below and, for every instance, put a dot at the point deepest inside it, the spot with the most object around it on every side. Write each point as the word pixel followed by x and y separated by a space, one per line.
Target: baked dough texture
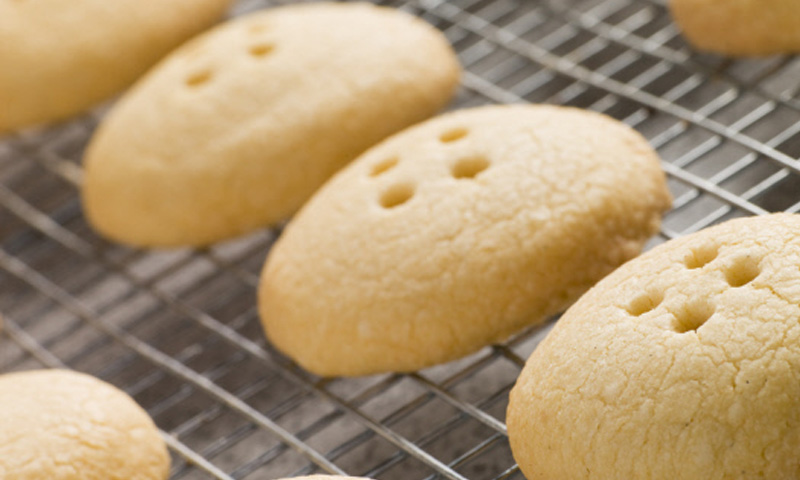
pixel 237 129
pixel 59 58
pixel 740 27
pixel 682 364
pixel 457 233
pixel 63 425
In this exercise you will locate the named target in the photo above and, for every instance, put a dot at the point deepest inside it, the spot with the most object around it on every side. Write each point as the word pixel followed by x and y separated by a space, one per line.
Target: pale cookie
pixel 682 364
pixel 237 129
pixel 58 58
pixel 63 425
pixel 740 27
pixel 456 233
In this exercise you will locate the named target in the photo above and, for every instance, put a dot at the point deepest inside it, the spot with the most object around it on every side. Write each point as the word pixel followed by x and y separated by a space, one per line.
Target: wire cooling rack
pixel 178 330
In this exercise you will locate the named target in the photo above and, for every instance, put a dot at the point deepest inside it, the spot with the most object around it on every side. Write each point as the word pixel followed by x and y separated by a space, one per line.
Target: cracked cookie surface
pixel 456 233
pixel 63 425
pixel 682 364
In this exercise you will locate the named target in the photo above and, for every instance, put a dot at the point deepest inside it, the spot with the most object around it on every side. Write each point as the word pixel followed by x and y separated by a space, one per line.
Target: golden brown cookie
pixel 455 234
pixel 682 364
pixel 59 58
pixel 237 129
pixel 740 27
pixel 62 425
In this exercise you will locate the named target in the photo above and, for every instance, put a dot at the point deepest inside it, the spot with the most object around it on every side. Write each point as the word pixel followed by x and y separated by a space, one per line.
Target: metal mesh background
pixel 179 332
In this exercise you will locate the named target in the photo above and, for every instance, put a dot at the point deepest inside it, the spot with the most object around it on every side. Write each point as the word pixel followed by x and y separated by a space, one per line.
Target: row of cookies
pixel 444 238
pixel 59 60
pixel 169 166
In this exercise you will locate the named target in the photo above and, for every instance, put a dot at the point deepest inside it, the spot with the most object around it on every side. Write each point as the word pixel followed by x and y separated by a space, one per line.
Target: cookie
pixel 740 27
pixel 456 233
pixel 236 130
pixel 682 364
pixel 63 425
pixel 60 58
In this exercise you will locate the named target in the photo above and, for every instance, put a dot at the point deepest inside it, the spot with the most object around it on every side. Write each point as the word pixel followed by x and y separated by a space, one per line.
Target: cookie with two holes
pixel 683 364
pixel 455 234
pixel 236 129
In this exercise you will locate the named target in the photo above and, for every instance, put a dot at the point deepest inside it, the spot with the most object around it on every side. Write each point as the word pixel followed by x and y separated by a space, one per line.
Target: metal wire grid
pixel 179 332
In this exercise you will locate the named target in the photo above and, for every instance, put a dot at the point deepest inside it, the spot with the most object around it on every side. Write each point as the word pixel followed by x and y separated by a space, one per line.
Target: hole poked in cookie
pixel 383 166
pixel 693 314
pixel 469 167
pixel 198 78
pixel 701 256
pixel 645 302
pixel 742 271
pixel 453 134
pixel 261 49
pixel 396 195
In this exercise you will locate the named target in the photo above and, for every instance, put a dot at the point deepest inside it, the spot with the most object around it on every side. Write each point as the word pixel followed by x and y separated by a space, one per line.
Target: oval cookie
pixel 237 129
pixel 63 425
pixel 682 364
pixel 457 233
pixel 59 58
pixel 741 27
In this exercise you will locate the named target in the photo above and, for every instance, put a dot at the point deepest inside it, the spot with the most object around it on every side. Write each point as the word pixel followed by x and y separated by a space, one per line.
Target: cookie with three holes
pixel 236 129
pixel 682 364
pixel 456 233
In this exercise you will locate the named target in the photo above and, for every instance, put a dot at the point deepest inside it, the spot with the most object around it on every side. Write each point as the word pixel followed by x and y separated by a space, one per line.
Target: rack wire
pixel 178 330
